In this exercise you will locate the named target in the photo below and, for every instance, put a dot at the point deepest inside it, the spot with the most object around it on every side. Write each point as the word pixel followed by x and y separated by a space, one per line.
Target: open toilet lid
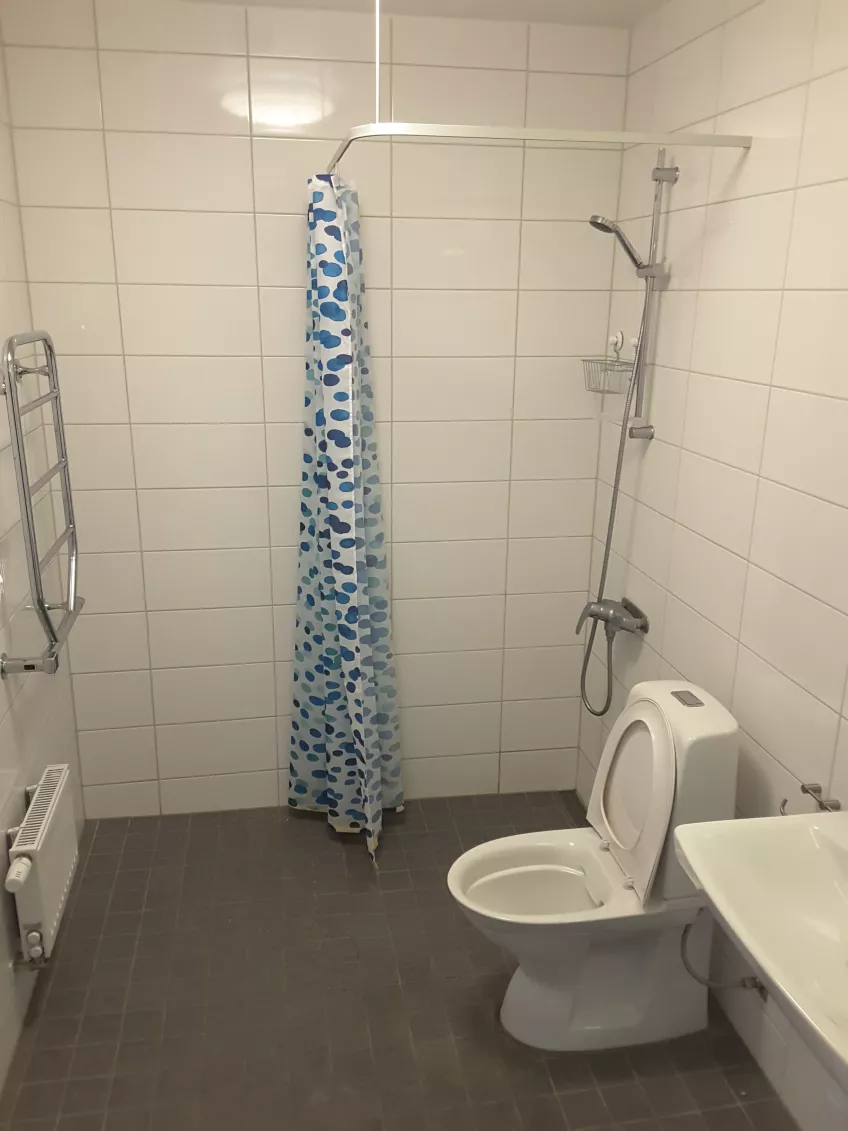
pixel 633 794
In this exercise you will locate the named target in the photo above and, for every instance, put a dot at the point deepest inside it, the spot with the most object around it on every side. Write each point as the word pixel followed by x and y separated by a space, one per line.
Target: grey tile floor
pixel 251 969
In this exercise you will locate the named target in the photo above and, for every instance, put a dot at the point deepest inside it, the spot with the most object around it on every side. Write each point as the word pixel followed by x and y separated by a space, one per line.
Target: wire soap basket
pixel 607 374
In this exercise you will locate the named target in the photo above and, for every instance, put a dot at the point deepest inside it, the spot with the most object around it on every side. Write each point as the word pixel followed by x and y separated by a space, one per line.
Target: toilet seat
pixel 632 798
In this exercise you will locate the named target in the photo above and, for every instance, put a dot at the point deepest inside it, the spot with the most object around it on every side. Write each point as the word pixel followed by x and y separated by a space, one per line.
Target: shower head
pixel 611 228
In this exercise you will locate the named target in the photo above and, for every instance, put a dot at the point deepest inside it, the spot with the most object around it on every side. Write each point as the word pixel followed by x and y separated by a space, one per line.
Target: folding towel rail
pixel 37 563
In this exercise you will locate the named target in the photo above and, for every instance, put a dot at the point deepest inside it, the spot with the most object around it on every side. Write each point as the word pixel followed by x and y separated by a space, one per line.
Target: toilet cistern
pixel 618 616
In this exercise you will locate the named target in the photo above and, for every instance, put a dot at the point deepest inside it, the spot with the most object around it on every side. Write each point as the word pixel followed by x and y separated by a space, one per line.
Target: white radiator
pixel 42 862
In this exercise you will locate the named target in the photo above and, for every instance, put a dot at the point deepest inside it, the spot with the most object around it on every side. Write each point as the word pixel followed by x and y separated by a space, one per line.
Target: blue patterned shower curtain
pixel 345 752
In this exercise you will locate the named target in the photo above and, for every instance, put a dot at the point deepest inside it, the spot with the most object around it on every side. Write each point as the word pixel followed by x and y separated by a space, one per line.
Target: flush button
pixel 688 699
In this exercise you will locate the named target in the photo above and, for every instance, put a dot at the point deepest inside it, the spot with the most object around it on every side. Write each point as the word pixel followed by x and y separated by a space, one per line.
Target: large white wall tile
pixel 107 521
pixel 156 25
pixel 221 791
pixel 111 583
pixel 716 501
pixel 699 650
pixel 94 390
pixel 83 318
pixel 195 749
pixel 201 94
pixel 185 247
pixel 830 49
pixel 766 50
pixel 124 755
pixel 301 34
pixel 452 388
pixel 473 97
pixel 444 452
pixel 112 642
pixel 795 728
pixel 61 167
pixel 131 799
pixel 725 420
pixel 448 569
pixel 817 253
pixel 425 324
pixel 425 180
pixel 569 184
pixel 100 453
pixel 708 578
pixel 586 102
pixel 281 167
pixel 552 388
pixel 803 540
pixel 542 673
pixel 53 88
pixel 562 323
pixel 538 620
pixel 113 699
pixel 554 449
pixel 564 256
pixel 540 724
pixel 455 624
pixel 436 254
pixel 805 444
pixel 68 245
pixel 801 637
pixel 47 23
pixel 197 695
pixel 305 98
pixel 215 518
pixel 451 777
pixel 746 243
pixel 431 679
pixel 189 637
pixel 548 565
pixel 432 732
pixel 735 334
pixel 771 164
pixel 807 355
pixel 179 172
pixel 551 508
pixel 459 43
pixel 199 455
pixel 169 320
pixel 195 390
pixel 199 579
pixel 524 770
pixel 581 50
pixel 431 512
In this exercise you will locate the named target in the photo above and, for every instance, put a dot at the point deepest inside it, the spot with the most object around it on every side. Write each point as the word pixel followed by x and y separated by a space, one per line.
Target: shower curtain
pixel 345 752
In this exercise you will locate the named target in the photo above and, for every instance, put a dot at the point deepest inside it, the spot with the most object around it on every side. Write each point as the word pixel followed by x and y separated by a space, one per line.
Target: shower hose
pixel 619 463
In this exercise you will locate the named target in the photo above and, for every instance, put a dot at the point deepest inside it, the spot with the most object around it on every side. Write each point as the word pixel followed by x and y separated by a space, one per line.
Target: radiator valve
pixel 19 869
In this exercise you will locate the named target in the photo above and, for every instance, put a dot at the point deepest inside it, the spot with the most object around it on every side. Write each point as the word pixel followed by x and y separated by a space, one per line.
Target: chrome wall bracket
pixel 37 562
pixel 671 174
pixel 814 790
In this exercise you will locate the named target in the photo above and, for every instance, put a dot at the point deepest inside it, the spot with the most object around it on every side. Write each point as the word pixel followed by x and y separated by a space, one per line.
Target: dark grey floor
pixel 250 970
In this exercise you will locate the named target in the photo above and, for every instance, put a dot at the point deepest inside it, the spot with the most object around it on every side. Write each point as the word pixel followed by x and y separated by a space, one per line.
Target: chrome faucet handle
pixel 592 609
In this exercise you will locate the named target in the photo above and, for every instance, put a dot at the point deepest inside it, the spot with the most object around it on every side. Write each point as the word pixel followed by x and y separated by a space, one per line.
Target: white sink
pixel 779 885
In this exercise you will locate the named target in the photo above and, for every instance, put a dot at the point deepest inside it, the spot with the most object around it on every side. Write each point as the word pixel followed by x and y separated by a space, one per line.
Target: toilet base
pixel 621 995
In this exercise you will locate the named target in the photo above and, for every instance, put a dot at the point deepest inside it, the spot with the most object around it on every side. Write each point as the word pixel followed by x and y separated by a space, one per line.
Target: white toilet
pixel 595 915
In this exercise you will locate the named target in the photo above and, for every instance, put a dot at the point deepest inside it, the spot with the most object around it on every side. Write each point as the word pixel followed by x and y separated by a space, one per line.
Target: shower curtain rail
pixel 612 138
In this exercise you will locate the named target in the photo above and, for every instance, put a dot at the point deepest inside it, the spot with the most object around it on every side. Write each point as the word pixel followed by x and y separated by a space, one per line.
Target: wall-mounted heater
pixel 42 862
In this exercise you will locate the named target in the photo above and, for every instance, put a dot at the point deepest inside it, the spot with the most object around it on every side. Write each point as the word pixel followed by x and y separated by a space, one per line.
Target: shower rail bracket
pixel 671 175
pixel 654 271
pixel 13 371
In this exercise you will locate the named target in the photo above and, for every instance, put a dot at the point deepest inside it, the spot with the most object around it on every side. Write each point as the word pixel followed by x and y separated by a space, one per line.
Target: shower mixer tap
pixel 618 616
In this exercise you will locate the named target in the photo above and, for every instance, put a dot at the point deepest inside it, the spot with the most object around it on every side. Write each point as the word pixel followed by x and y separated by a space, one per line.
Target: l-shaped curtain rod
pixel 509 133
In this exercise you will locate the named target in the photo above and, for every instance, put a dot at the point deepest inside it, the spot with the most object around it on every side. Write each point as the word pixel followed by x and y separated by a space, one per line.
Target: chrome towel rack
pixel 37 563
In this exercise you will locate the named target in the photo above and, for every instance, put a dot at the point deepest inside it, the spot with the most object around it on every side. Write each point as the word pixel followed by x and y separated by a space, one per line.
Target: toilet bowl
pixel 594 915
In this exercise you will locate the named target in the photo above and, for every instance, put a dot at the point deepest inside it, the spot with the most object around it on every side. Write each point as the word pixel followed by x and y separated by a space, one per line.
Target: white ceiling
pixel 613 13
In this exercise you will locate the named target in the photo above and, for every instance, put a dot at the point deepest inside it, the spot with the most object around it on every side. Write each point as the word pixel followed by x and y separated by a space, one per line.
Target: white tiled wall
pixel 162 151
pixel 733 524
pixel 36 711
